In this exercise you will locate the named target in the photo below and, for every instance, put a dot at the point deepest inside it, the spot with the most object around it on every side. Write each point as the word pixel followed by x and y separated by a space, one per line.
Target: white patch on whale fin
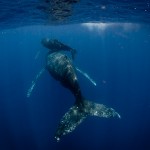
pixel 34 82
pixel 87 76
pixel 77 114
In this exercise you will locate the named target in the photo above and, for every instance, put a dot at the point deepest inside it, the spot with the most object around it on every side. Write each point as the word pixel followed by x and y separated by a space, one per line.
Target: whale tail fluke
pixel 78 113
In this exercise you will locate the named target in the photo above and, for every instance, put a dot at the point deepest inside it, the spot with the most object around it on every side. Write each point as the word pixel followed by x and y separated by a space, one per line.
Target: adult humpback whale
pixel 56 46
pixel 61 68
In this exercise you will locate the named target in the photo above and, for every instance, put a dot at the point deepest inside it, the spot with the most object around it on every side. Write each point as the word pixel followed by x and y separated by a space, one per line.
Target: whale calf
pixel 62 69
pixel 55 46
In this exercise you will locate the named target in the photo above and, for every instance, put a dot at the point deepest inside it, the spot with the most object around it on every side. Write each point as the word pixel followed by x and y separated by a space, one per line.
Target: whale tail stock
pixel 77 113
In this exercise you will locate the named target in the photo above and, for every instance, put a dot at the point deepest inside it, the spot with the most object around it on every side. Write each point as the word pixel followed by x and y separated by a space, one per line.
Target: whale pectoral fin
pixel 77 114
pixel 86 75
pixel 29 92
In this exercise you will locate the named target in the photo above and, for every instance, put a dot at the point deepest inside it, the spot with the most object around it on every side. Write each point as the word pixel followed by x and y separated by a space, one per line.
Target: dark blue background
pixel 117 58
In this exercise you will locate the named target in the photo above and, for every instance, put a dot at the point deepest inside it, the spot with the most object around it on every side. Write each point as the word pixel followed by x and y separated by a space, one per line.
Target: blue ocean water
pixel 115 54
pixel 46 12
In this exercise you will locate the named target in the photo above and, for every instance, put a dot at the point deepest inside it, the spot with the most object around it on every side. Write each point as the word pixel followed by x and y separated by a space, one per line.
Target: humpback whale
pixel 62 69
pixel 59 10
pixel 55 46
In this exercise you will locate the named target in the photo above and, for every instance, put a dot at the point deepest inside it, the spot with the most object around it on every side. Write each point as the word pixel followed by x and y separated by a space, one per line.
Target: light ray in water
pixel 87 76
pixel 34 82
pixel 37 55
